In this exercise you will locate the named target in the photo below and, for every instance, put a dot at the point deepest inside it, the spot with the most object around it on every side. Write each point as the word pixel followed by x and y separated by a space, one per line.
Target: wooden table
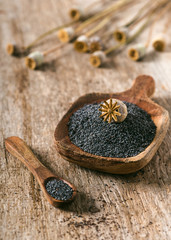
pixel 136 206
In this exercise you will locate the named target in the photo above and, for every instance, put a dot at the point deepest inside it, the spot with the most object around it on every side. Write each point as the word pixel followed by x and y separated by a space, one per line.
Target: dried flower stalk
pixel 137 52
pixel 42 36
pixel 121 35
pixel 13 49
pixel 82 43
pixel 95 44
pixel 159 43
pixel 77 13
pixel 34 60
pixel 105 12
pixel 66 34
pixel 97 58
pixel 85 42
pixel 96 61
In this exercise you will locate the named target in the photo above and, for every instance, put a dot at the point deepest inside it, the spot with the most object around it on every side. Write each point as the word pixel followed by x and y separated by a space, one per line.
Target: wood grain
pixel 108 206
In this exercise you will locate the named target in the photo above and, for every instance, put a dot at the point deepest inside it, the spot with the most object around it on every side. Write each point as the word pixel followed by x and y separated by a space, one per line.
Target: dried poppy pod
pixel 81 44
pixel 137 52
pixel 121 35
pixel 77 13
pixel 159 43
pixel 97 58
pixel 113 109
pixel 34 60
pixel 95 44
pixel 66 34
pixel 14 50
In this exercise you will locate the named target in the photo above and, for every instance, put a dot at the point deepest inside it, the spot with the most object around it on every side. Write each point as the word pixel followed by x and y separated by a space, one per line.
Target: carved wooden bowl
pixel 143 87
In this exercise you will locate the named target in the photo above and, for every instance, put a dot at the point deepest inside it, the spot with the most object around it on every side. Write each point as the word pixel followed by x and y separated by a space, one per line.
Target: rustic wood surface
pixel 136 206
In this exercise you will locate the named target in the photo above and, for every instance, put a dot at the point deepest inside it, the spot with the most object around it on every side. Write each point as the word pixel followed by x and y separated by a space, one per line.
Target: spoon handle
pixel 18 148
pixel 143 86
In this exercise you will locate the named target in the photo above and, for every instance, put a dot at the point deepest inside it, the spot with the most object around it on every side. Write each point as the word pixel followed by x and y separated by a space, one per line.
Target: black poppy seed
pixel 58 189
pixel 120 140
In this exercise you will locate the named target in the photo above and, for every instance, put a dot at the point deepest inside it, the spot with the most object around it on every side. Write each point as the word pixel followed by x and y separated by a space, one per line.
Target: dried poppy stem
pixel 15 50
pixel 53 49
pixel 78 13
pixel 95 44
pixel 35 59
pixel 167 25
pixel 138 14
pixel 98 58
pixel 121 35
pixel 102 14
pixel 66 34
pixel 150 11
pixel 82 42
pixel 141 16
pixel 135 35
pixel 48 33
pixel 138 52
pixel 98 27
pixel 159 42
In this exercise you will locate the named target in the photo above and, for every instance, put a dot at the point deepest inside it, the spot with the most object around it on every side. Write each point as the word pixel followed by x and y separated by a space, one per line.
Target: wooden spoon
pixel 143 87
pixel 18 148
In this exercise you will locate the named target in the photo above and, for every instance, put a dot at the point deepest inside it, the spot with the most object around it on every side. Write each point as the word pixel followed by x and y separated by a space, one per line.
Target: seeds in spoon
pixel 59 190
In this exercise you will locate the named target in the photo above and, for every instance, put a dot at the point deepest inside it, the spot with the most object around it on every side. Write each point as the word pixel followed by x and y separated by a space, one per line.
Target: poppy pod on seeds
pixel 66 34
pixel 34 60
pixel 159 43
pixel 137 52
pixel 76 13
pixel 97 58
pixel 121 35
pixel 82 44
pixel 113 109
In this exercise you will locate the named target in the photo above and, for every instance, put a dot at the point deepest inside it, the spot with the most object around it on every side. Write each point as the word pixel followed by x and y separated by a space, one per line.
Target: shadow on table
pixel 82 204
pixel 149 57
pixel 48 66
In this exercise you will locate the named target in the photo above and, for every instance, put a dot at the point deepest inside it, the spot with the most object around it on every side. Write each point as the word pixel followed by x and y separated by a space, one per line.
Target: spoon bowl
pixel 139 94
pixel 18 148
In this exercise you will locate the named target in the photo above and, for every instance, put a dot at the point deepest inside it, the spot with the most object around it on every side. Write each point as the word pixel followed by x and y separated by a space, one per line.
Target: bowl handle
pixel 143 86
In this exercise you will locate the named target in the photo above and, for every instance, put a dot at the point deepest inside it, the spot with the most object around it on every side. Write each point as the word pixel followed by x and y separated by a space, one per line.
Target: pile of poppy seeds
pixel 58 189
pixel 89 132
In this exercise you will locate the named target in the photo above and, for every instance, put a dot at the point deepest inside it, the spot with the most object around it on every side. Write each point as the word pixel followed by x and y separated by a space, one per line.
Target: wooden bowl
pixel 143 87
